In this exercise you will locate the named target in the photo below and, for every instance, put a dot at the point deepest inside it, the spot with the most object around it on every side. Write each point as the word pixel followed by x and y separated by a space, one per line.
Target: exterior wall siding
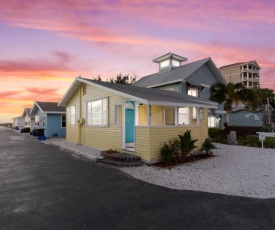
pixel 157 115
pixel 142 115
pixel 203 75
pixel 72 131
pixel 232 74
pixel 95 136
pixel 149 140
pixel 54 125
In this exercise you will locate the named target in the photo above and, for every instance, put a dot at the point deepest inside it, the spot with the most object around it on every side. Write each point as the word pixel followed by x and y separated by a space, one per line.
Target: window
pixel 183 116
pixel 36 120
pixel 211 121
pixel 72 115
pixel 175 63
pixel 97 113
pixel 164 63
pixel 63 121
pixel 193 92
pixel 43 121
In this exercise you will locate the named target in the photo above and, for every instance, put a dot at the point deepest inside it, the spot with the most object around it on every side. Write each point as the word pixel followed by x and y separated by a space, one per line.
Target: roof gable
pixel 47 107
pixel 178 74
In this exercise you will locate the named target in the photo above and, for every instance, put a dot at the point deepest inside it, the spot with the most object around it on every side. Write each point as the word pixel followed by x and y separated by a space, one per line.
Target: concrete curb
pixel 80 153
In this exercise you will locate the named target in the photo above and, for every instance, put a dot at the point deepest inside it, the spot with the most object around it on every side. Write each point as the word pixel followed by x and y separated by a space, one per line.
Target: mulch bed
pixel 188 159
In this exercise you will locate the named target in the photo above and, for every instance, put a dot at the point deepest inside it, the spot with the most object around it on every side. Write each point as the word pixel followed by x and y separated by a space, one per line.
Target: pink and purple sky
pixel 46 44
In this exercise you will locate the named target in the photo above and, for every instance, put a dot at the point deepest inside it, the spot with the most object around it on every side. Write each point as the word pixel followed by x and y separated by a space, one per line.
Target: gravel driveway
pixel 236 170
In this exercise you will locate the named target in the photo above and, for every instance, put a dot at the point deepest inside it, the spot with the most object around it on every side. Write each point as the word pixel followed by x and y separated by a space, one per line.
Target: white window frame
pixel 183 116
pixel 72 117
pixel 193 92
pixel 36 120
pixel 91 113
pixel 165 63
pixel 175 63
pixel 64 121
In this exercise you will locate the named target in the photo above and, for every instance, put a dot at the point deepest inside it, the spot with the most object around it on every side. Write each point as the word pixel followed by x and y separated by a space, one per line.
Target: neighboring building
pixel 106 115
pixel 194 79
pixel 18 122
pixel 28 118
pixel 247 73
pixel 49 116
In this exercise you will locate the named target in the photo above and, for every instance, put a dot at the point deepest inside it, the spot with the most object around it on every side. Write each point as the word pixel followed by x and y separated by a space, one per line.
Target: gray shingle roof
pixel 50 106
pixel 177 74
pixel 153 95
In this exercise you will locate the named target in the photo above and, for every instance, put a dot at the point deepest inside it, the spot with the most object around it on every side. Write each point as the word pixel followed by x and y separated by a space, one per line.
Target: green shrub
pixel 169 152
pixel 266 129
pixel 219 139
pixel 269 142
pixel 25 130
pixel 214 132
pixel 207 144
pixel 186 143
pixel 250 140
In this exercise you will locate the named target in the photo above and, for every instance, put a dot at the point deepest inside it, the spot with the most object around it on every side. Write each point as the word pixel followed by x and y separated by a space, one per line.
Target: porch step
pixel 121 159
pixel 121 163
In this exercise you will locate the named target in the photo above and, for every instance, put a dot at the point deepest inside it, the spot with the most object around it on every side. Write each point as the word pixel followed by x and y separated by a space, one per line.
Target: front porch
pixel 152 125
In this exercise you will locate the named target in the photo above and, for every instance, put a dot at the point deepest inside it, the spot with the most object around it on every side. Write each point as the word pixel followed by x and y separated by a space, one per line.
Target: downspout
pixel 80 116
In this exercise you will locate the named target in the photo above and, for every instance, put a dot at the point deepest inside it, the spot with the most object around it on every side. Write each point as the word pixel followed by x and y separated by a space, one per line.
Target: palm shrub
pixel 207 144
pixel 186 143
pixel 169 152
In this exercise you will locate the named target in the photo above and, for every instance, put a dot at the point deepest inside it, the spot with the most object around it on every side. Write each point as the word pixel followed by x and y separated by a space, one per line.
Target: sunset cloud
pixel 49 43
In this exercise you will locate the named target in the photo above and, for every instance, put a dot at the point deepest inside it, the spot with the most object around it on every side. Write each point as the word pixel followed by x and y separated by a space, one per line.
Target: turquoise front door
pixel 130 125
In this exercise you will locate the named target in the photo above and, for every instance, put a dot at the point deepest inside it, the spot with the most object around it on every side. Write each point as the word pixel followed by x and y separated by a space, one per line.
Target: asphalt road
pixel 42 187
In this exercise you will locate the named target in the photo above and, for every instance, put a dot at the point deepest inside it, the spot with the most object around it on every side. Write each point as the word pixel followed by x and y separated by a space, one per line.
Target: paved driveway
pixel 42 187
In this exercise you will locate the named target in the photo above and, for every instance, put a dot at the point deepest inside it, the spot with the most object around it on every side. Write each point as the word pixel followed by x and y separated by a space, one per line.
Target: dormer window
pixel 175 63
pixel 164 63
pixel 169 61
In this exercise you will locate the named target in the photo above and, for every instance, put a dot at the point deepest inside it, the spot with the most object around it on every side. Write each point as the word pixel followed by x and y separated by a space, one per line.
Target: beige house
pixel 246 72
pixel 130 118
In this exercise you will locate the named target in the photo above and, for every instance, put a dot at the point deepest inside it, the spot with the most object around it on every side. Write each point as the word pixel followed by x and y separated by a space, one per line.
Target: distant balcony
pixel 244 78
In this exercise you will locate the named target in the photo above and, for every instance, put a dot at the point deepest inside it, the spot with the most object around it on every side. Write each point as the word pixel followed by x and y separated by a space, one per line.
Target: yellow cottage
pixel 130 118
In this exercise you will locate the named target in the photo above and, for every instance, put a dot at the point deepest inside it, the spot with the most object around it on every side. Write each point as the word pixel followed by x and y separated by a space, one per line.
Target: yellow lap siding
pixel 159 135
pixel 143 143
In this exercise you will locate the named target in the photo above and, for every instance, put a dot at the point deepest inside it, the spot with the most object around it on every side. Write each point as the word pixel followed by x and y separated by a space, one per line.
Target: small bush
pixel 186 143
pixel 214 132
pixel 250 140
pixel 269 142
pixel 207 144
pixel 25 130
pixel 169 152
pixel 219 139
